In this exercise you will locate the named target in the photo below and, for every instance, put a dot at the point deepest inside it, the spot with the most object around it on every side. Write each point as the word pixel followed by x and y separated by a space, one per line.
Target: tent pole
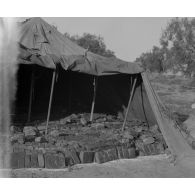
pixel 70 93
pixel 94 96
pixel 130 100
pixel 31 94
pixel 131 82
pixel 50 99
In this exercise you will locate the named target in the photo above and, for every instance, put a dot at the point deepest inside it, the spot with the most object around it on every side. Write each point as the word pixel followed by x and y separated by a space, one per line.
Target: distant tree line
pixel 176 51
pixel 92 42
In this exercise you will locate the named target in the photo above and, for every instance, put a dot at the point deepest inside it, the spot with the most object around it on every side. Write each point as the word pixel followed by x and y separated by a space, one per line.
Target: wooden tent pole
pixel 31 94
pixel 130 100
pixel 94 96
pixel 50 99
pixel 131 81
pixel 70 93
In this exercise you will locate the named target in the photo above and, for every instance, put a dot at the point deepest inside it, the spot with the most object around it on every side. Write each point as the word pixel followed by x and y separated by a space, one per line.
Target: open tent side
pixel 113 92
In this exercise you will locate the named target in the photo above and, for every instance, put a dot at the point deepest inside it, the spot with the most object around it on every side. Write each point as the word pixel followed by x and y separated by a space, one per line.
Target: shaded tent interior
pixel 73 93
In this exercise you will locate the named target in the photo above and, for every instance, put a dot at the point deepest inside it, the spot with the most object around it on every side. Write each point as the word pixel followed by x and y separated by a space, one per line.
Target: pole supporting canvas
pixel 94 96
pixel 70 93
pixel 50 99
pixel 130 100
pixel 31 96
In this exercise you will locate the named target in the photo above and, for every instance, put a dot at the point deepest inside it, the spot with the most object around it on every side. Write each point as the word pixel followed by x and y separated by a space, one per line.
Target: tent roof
pixel 42 44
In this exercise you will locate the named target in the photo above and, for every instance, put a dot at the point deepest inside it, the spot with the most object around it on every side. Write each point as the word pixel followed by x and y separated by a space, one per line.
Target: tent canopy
pixel 42 44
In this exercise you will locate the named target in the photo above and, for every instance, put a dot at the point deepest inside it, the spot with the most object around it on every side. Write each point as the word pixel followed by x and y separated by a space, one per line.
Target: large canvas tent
pixel 122 86
pixel 43 45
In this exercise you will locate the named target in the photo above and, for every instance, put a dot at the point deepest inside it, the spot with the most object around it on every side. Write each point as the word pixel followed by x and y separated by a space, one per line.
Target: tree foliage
pixel 93 43
pixel 178 39
pixel 177 48
pixel 152 60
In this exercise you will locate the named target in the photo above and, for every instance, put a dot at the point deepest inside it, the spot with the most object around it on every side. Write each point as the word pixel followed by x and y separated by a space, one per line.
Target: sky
pixel 127 37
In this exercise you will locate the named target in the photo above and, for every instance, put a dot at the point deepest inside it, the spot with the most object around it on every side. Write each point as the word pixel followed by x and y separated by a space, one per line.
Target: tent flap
pixel 174 139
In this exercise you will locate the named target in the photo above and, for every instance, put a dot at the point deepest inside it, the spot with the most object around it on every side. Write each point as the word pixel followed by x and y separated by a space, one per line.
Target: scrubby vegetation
pixel 176 51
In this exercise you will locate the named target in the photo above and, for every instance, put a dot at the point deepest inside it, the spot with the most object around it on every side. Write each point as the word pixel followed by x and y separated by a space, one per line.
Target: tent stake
pixel 130 100
pixel 94 96
pixel 50 99
pixel 31 94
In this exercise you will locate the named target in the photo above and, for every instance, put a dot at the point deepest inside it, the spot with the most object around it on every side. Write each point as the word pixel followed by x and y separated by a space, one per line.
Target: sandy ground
pixel 157 166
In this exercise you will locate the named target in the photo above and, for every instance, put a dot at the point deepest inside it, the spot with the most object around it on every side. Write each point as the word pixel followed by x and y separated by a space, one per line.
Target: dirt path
pixel 143 167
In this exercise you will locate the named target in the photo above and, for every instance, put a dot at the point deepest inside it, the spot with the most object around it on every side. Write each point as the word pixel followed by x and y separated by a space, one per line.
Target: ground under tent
pixel 74 92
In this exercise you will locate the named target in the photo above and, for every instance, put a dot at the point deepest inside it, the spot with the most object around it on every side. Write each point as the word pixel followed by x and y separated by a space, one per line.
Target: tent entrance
pixel 73 93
